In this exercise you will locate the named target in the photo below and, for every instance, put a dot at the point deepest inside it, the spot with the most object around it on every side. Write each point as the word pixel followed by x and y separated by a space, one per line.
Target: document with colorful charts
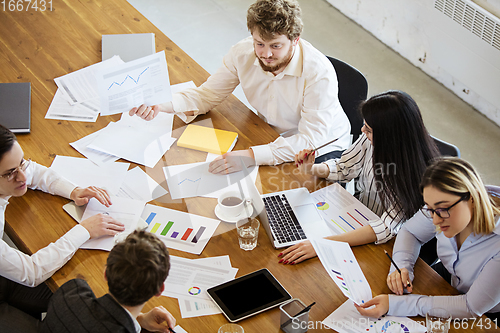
pixel 343 268
pixel 342 211
pixel 189 279
pixel 346 319
pixel 179 230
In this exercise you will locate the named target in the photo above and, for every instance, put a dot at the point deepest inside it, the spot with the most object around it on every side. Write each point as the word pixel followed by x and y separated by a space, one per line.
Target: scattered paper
pixel 189 279
pixel 343 268
pixel 81 85
pixel 346 319
pixel 179 329
pixel 141 81
pixel 61 109
pixel 124 210
pixel 340 210
pixel 194 179
pixel 98 157
pixel 83 172
pixel 179 230
pixel 139 185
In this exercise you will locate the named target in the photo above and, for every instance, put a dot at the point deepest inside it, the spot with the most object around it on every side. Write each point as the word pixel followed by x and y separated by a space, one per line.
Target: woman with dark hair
pixel 463 214
pixel 388 159
pixel 19 271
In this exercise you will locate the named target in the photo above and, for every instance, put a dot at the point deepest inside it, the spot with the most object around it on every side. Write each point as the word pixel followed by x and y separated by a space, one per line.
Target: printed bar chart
pixel 179 230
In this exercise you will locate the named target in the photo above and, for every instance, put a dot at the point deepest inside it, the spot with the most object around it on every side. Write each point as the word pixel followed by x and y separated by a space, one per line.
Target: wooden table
pixel 38 46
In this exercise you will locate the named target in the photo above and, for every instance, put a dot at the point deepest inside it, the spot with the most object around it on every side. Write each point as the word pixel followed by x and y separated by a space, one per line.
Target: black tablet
pixel 248 295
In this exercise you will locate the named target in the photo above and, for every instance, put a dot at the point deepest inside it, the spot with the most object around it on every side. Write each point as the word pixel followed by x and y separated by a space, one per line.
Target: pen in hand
pixel 408 284
pixel 326 144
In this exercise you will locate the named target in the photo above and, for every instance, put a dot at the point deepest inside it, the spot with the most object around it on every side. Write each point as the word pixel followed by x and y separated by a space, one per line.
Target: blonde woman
pixel 463 214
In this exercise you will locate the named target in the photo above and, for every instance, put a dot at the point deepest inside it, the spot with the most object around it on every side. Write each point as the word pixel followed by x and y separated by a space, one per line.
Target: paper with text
pixel 141 81
pixel 61 109
pixel 139 185
pixel 343 268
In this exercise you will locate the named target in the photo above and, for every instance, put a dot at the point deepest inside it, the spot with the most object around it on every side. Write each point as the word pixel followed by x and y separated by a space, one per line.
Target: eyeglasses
pixel 13 174
pixel 443 213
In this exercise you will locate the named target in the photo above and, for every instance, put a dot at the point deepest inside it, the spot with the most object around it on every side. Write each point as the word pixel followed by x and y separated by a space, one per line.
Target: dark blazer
pixel 74 308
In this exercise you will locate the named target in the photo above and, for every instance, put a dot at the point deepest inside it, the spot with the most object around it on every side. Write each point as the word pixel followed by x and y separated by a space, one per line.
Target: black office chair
pixel 428 251
pixel 353 89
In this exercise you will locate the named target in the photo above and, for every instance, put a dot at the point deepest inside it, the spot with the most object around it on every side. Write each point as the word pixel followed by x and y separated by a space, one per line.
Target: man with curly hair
pixel 291 84
pixel 136 270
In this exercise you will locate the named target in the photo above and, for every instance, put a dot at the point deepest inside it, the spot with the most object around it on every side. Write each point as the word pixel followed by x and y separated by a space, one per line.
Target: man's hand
pixel 231 162
pixel 81 196
pixel 297 253
pixel 102 225
pixel 157 320
pixel 397 283
pixel 381 303
pixel 149 112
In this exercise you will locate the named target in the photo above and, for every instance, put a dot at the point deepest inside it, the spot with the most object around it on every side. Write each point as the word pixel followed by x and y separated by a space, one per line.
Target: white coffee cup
pixel 231 204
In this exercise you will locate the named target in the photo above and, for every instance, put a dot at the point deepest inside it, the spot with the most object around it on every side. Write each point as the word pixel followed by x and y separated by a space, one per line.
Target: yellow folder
pixel 207 139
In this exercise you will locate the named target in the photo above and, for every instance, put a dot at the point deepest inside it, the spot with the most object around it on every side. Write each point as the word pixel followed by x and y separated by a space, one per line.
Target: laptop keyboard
pixel 282 220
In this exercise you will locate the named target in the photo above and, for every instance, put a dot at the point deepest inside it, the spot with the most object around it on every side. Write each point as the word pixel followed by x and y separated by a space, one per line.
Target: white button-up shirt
pixel 33 270
pixel 303 100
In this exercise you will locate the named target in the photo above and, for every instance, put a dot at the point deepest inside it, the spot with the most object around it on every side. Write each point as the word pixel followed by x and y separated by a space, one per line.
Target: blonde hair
pixel 272 18
pixel 455 176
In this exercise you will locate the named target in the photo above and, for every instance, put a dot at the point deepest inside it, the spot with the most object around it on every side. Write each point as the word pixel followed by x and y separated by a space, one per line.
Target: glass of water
pixel 437 320
pixel 248 232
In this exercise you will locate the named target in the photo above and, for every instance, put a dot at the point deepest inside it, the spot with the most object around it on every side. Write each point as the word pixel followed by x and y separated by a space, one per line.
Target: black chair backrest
pixel 353 89
pixel 446 149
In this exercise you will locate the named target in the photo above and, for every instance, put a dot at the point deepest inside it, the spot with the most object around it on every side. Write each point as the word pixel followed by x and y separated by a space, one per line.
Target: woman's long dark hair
pixel 7 139
pixel 402 149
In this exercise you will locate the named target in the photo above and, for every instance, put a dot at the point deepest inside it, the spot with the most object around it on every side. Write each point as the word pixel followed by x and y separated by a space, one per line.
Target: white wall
pixel 424 36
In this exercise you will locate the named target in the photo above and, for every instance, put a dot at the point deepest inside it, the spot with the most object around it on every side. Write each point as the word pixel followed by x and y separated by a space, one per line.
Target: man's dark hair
pixel 137 268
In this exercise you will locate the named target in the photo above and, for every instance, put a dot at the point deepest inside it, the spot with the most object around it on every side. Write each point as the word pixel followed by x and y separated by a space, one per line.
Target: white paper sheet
pixel 96 156
pixel 81 85
pixel 83 172
pixel 142 146
pixel 199 307
pixel 189 279
pixel 61 109
pixel 179 329
pixel 194 179
pixel 340 210
pixel 346 319
pixel 343 268
pixel 139 185
pixel 141 81
pixel 179 230
pixel 124 210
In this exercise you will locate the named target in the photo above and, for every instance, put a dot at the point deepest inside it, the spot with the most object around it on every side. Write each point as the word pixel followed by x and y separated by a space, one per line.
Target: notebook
pixel 128 46
pixel 15 106
pixel 207 139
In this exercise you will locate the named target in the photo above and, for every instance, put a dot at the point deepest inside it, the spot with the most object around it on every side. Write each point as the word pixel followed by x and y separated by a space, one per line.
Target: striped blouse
pixel 357 162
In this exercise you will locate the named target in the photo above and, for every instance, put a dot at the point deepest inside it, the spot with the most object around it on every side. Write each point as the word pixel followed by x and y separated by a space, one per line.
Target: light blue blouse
pixel 475 270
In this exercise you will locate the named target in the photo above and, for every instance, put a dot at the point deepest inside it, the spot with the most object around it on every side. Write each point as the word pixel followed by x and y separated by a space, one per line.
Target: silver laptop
pixel 289 217
pixel 15 106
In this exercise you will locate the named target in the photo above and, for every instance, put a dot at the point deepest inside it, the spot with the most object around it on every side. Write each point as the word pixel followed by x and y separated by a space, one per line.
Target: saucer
pixel 233 219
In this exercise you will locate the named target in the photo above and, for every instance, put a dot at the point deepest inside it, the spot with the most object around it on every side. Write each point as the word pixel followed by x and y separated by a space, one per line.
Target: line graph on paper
pixel 188 180
pixel 136 81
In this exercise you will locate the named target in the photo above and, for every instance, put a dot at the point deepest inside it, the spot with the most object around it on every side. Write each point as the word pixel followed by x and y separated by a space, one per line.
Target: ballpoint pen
pixel 326 144
pixel 387 254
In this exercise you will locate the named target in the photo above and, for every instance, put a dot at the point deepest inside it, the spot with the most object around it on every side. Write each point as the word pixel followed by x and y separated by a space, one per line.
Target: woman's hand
pixel 157 320
pixel 147 112
pixel 102 225
pixel 305 160
pixel 81 196
pixel 297 253
pixel 397 283
pixel 381 303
